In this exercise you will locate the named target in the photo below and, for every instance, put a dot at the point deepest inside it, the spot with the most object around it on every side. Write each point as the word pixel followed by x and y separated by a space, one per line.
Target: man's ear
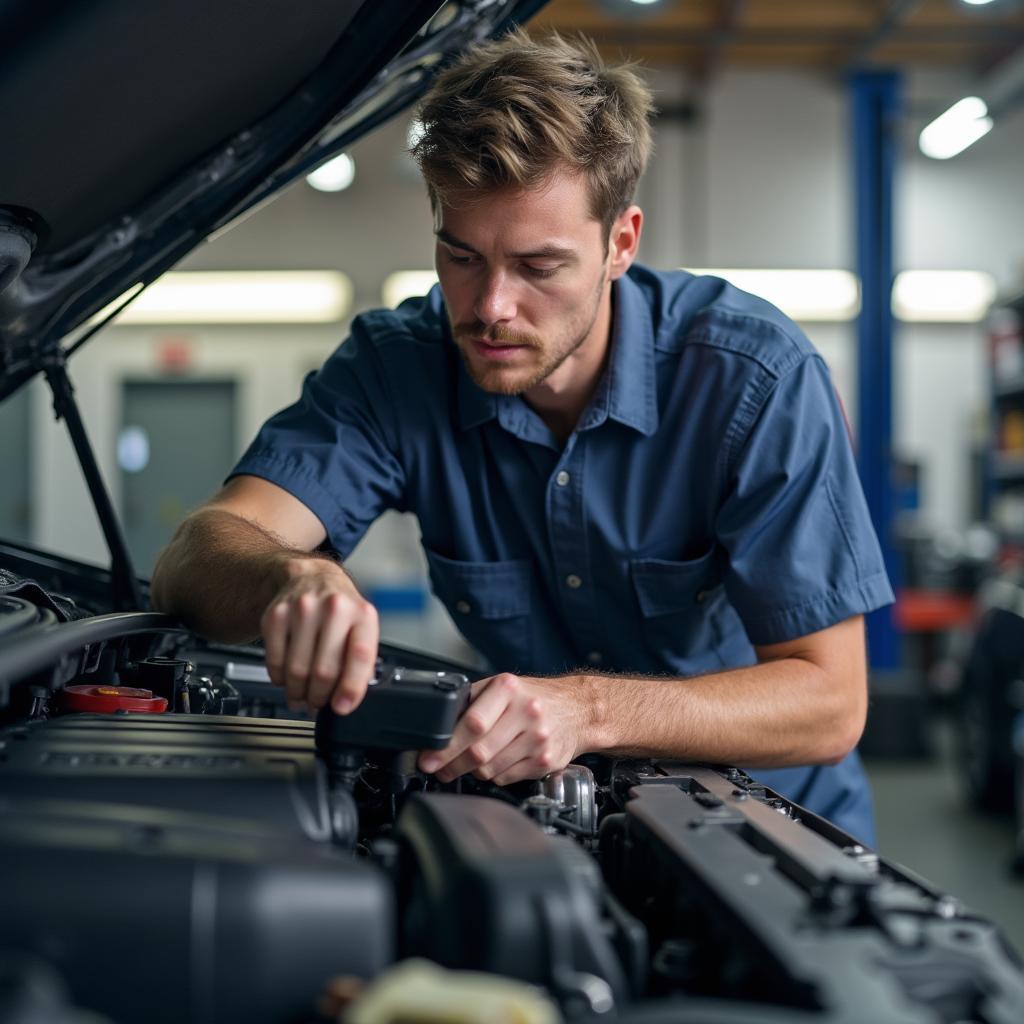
pixel 624 241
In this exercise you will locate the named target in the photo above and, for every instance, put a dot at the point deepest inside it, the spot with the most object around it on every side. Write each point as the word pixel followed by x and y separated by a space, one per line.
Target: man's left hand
pixel 516 727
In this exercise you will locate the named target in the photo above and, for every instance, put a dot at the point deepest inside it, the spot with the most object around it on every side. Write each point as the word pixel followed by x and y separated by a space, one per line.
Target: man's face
pixel 524 277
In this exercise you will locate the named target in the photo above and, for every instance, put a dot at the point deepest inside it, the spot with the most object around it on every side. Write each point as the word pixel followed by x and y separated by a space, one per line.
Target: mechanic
pixel 635 489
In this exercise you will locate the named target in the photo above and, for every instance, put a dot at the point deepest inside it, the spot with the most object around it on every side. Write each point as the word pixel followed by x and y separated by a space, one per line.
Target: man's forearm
pixel 779 713
pixel 220 571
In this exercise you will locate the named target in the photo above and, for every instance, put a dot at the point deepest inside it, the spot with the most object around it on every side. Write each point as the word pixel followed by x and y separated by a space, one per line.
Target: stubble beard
pixel 496 380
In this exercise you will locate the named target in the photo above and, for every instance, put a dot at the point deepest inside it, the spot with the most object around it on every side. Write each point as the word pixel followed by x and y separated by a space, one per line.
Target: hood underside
pixel 130 132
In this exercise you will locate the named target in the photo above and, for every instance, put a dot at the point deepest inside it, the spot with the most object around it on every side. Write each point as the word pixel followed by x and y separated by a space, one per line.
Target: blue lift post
pixel 875 105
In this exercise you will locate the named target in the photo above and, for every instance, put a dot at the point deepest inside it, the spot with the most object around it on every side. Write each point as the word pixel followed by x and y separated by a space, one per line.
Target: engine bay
pixel 177 845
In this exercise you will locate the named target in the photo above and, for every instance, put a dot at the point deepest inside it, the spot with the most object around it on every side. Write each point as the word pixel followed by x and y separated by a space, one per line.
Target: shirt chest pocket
pixel 489 603
pixel 676 600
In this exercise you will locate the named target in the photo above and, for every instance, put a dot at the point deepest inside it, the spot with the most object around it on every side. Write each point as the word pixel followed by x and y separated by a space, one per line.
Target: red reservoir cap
pixel 105 700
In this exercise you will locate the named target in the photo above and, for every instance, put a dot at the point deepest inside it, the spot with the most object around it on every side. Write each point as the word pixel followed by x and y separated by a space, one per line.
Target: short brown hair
pixel 510 112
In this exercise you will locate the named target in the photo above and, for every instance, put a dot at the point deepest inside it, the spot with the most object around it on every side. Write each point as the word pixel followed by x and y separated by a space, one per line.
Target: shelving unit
pixel 1005 476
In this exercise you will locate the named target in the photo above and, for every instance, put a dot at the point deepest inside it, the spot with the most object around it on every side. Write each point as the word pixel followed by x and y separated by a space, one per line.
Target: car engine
pixel 176 845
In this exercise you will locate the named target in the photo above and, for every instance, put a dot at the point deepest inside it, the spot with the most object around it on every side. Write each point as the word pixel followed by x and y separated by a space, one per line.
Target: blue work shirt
pixel 707 500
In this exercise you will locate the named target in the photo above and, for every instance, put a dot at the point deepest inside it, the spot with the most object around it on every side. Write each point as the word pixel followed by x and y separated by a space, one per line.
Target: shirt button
pixel 562 479
pixel 463 606
pixel 702 595
pixel 573 581
pixel 595 657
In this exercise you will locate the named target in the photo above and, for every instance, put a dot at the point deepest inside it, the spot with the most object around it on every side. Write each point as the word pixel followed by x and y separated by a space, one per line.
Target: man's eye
pixel 541 272
pixel 452 258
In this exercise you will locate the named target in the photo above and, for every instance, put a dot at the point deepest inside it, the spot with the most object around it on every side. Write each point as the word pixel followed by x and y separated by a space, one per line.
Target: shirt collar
pixel 626 391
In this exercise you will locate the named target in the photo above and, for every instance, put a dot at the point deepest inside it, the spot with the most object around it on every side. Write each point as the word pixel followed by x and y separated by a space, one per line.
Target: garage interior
pixel 789 159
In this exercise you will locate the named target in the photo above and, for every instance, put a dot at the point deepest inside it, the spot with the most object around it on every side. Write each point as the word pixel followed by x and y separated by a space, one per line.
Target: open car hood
pixel 131 132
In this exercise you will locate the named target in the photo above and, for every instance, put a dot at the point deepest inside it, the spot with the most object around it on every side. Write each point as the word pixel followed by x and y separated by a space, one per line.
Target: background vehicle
pixel 991 702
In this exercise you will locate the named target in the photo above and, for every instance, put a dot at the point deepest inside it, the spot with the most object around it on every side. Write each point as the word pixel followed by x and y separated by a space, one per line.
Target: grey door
pixel 176 444
pixel 15 508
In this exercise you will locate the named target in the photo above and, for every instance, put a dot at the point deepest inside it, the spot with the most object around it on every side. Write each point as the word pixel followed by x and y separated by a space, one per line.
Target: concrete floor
pixel 925 824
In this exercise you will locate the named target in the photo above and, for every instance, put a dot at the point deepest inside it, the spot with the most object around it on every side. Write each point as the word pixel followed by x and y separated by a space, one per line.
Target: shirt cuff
pixel 294 479
pixel 819 612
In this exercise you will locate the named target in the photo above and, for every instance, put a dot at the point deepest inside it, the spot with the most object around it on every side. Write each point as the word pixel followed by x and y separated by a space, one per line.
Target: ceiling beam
pixel 727 19
pixel 1003 87
pixel 892 16
pixel 1001 57
pixel 768 38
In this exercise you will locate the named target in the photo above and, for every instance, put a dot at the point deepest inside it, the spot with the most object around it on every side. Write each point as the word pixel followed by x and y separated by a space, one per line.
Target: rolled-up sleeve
pixel 335 448
pixel 802 553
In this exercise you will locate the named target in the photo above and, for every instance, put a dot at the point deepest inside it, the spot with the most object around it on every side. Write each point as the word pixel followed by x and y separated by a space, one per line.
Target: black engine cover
pixel 181 865
pixel 261 770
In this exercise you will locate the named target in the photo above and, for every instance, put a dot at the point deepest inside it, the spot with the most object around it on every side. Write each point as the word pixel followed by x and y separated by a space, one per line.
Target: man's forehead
pixel 518 221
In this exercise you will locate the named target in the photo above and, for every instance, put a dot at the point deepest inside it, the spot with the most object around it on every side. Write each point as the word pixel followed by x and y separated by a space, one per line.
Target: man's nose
pixel 495 302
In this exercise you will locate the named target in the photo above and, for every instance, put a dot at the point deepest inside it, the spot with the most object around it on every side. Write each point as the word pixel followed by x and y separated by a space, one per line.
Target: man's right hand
pixel 321 636
pixel 241 565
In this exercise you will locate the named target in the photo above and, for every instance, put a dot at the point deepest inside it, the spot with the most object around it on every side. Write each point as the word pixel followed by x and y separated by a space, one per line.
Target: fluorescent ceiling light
pixel 406 284
pixel 943 296
pixel 977 3
pixel 239 297
pixel 804 295
pixel 952 132
pixel 334 176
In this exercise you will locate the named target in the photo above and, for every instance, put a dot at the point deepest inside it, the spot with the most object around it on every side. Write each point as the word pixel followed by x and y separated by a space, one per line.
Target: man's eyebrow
pixel 544 252
pixel 449 239
pixel 547 252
